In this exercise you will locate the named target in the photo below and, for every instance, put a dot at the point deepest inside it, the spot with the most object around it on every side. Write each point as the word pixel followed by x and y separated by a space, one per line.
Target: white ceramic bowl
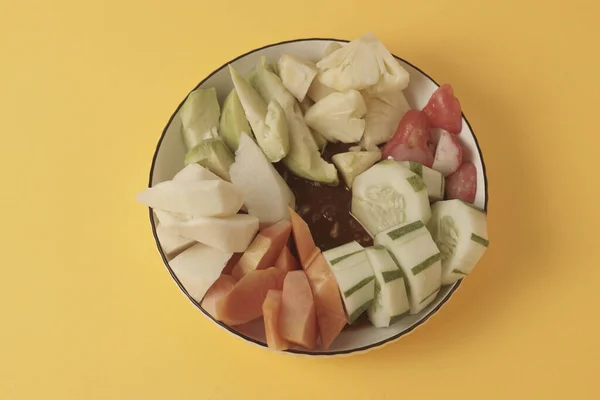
pixel 168 160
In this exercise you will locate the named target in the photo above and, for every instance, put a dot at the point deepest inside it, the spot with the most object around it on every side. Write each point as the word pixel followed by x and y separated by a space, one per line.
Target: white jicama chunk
pixel 417 255
pixel 199 117
pixel 195 172
pixel 448 154
pixel 354 277
pixel 384 112
pixel 436 184
pixel 210 198
pixel 364 63
pixel 388 194
pixel 460 232
pixel 339 117
pixel 353 163
pixel 232 234
pixel 171 243
pixel 391 300
pixel 267 120
pixel 265 193
pixel 198 267
pixel 296 74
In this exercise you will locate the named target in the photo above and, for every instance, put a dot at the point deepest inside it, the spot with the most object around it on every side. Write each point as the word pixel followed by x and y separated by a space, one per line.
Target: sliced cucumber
pixel 460 232
pixel 354 276
pixel 433 179
pixel 340 251
pixel 417 255
pixel 391 300
pixel 388 194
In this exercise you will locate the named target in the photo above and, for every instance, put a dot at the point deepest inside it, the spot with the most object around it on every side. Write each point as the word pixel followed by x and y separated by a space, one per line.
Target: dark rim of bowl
pixel 304 352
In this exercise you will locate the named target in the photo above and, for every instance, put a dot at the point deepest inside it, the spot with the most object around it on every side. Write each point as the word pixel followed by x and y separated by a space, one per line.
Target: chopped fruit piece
pixel 198 267
pixel 305 245
pixel 232 263
pixel 286 261
pixel 413 130
pixel 410 142
pixel 448 154
pixel 462 184
pixel 264 249
pixel 443 110
pixel 328 302
pixel 298 318
pixel 217 291
pixel 244 302
pixel 403 152
pixel 271 311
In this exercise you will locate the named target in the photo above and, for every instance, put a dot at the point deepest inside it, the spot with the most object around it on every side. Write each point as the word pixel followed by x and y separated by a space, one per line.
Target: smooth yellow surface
pixel 87 309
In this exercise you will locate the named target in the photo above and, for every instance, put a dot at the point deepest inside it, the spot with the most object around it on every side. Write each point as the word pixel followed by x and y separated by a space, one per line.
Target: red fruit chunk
pixel 403 152
pixel 448 154
pixel 462 184
pixel 413 130
pixel 443 110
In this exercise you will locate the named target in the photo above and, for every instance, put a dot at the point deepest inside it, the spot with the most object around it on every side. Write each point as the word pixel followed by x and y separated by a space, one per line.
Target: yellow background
pixel 88 311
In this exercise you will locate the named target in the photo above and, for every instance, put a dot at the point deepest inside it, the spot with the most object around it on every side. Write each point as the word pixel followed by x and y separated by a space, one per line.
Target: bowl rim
pixel 243 336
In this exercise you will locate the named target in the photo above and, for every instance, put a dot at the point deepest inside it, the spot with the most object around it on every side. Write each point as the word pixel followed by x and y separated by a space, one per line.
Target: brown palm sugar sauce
pixel 326 209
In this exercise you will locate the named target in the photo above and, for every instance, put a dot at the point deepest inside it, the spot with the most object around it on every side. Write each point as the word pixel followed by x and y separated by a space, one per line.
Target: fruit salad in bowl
pixel 318 196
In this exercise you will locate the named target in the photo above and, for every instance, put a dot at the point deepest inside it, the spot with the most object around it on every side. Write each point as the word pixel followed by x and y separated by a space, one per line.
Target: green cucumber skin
pixel 354 316
pixel 337 260
pixel 478 239
pixel 459 272
pixel 416 168
pixel 443 188
pixel 358 286
pixel 429 295
pixel 389 276
pixel 416 183
pixel 406 229
pixel 426 264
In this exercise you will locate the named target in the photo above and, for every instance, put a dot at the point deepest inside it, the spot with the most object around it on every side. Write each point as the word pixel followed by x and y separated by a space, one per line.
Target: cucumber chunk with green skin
pixel 343 250
pixel 433 179
pixel 353 163
pixel 460 232
pixel 391 300
pixel 388 194
pixel 199 117
pixel 267 119
pixel 303 159
pixel 212 154
pixel 233 121
pixel 354 276
pixel 414 251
